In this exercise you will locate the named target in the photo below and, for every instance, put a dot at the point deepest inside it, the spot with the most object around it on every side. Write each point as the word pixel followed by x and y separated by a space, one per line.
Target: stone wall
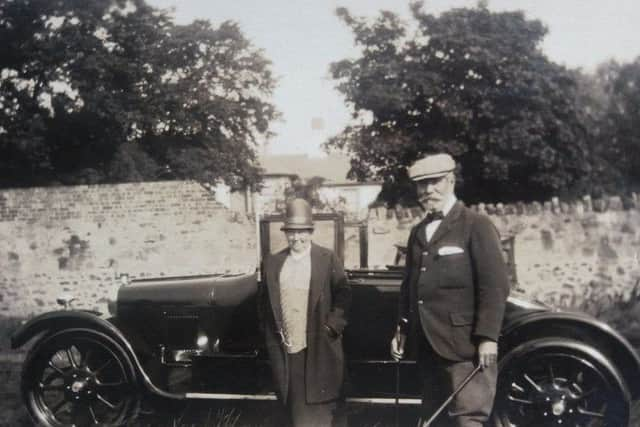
pixel 79 239
pixel 565 252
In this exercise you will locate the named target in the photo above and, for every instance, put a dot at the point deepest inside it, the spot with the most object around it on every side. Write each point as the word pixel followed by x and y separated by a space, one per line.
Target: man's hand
pixel 333 334
pixel 487 353
pixel 397 345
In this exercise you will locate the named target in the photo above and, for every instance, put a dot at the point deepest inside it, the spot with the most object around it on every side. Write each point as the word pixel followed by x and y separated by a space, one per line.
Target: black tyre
pixel 79 378
pixel 559 382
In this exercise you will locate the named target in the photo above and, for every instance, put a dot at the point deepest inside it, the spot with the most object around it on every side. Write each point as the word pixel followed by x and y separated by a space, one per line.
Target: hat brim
pixel 430 175
pixel 296 227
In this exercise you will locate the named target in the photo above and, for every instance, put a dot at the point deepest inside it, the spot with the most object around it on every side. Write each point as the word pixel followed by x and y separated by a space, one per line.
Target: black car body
pixel 556 368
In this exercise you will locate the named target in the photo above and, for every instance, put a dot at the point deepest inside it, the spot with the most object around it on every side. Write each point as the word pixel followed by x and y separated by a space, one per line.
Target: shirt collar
pixel 449 204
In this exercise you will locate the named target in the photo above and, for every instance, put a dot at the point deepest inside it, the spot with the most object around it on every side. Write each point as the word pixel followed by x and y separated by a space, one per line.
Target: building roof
pixel 280 175
pixel 332 168
pixel 350 184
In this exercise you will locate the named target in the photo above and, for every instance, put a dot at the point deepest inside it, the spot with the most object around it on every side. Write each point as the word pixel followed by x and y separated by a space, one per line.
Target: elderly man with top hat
pixel 303 308
pixel 452 298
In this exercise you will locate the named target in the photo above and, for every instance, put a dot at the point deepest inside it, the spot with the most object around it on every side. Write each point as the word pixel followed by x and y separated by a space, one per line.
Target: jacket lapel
pixel 421 235
pixel 274 285
pixel 318 266
pixel 447 223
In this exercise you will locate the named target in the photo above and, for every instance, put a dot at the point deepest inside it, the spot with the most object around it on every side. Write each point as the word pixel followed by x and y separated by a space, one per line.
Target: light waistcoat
pixel 295 279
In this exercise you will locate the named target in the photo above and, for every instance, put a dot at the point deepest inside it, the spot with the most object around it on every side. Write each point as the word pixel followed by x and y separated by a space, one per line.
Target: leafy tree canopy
pixel 469 82
pixel 621 122
pixel 97 91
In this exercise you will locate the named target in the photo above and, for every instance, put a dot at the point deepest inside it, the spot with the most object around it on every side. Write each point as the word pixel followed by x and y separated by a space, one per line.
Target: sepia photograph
pixel 297 213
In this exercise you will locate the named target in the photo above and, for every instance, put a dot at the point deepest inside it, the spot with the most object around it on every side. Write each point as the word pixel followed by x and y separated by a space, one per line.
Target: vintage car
pixel 556 368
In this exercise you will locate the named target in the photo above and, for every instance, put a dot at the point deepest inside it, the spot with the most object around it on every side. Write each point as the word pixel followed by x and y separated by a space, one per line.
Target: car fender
pixel 58 321
pixel 597 336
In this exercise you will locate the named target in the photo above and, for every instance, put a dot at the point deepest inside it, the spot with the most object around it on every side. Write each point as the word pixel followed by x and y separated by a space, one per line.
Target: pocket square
pixel 450 250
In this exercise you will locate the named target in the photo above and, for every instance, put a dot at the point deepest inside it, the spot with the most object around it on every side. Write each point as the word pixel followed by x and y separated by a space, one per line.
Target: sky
pixel 302 37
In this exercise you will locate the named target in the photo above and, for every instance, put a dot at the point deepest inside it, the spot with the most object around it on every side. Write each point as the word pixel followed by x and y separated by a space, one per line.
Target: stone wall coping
pixel 554 206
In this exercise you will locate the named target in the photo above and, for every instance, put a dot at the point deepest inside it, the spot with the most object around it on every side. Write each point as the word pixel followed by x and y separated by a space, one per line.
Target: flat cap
pixel 432 166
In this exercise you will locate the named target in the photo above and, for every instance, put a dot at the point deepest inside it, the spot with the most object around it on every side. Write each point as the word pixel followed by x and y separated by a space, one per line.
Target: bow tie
pixel 434 216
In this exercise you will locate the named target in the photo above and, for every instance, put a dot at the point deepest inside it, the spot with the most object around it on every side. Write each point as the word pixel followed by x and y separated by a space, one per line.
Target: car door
pixel 372 373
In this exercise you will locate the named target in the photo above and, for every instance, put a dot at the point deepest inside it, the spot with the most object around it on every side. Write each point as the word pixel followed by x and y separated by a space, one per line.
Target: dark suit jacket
pixel 463 295
pixel 329 301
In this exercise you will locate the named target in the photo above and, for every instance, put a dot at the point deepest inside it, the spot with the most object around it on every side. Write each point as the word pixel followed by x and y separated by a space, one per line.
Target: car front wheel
pixel 79 378
pixel 550 382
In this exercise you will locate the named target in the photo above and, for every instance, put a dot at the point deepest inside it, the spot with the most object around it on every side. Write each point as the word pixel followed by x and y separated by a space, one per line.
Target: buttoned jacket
pixel 455 285
pixel 329 301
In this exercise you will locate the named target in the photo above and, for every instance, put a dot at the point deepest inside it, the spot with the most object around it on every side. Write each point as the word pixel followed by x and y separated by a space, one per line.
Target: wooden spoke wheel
pixel 559 386
pixel 79 378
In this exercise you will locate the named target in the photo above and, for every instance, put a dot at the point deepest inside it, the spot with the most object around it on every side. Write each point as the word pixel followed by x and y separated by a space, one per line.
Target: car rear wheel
pixel 559 383
pixel 79 378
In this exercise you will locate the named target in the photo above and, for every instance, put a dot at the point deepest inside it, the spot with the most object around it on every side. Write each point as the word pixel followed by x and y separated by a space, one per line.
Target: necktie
pixel 434 216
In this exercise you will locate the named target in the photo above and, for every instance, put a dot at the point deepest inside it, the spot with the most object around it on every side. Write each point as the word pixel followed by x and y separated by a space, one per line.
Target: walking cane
pixel 397 407
pixel 449 399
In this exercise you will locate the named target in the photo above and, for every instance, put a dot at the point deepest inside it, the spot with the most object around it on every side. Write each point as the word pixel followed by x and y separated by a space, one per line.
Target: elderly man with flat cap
pixel 452 298
pixel 303 312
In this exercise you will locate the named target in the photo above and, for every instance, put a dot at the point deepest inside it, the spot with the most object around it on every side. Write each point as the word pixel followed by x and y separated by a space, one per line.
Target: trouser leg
pixel 301 413
pixel 432 382
pixel 471 407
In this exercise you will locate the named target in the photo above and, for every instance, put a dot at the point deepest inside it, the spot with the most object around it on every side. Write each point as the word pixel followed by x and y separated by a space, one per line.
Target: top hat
pixel 298 216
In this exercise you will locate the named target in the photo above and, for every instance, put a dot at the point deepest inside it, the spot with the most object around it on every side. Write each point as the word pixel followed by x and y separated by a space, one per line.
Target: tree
pixel 472 83
pixel 621 123
pixel 111 90
pixel 594 102
pixel 306 189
